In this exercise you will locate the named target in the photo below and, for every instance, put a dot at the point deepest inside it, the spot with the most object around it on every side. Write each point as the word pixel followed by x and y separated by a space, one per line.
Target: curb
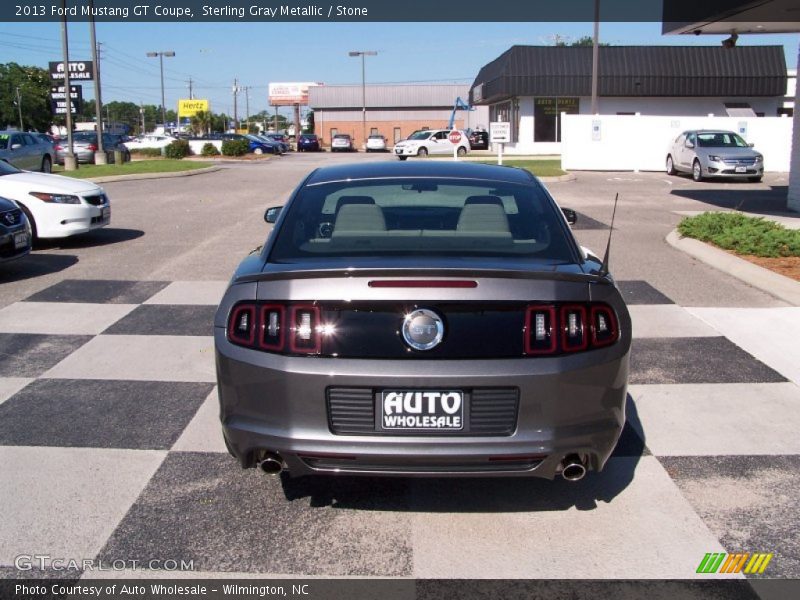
pixel 781 287
pixel 132 177
pixel 559 178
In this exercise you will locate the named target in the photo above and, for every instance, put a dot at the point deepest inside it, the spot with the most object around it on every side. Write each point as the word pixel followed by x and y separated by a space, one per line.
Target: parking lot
pixel 109 435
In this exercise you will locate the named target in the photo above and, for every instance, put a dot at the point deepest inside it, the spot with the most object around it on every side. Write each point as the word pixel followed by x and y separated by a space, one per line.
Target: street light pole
pixel 100 157
pixel 362 54
pixel 161 55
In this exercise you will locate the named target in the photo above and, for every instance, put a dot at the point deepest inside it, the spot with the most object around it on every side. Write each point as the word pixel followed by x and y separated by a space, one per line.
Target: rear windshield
pixel 422 217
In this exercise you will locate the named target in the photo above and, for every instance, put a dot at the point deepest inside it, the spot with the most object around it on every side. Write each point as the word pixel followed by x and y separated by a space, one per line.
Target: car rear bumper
pixel 566 405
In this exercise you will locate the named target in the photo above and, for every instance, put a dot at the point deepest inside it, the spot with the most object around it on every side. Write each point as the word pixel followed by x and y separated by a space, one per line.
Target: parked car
pixel 376 143
pixel 709 154
pixel 431 141
pixel 479 139
pixel 55 206
pixel 260 145
pixel 15 232
pixel 149 141
pixel 308 142
pixel 84 145
pixel 342 142
pixel 279 138
pixel 431 319
pixel 25 150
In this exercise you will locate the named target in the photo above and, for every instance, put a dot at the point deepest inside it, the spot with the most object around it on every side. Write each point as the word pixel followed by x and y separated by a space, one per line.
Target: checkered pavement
pixel 110 449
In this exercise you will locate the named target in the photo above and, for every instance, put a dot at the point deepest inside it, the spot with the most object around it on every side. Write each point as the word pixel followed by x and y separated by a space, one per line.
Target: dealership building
pixel 394 111
pixel 530 87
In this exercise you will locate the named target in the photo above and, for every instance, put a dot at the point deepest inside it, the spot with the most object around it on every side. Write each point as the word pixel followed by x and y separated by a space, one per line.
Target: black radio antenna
pixel 604 266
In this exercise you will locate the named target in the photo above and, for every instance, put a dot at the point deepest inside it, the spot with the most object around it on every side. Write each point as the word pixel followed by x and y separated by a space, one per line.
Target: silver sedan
pixel 707 154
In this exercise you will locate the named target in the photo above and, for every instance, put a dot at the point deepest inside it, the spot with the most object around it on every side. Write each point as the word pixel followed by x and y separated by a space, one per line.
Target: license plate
pixel 741 169
pixel 106 213
pixel 422 410
pixel 20 240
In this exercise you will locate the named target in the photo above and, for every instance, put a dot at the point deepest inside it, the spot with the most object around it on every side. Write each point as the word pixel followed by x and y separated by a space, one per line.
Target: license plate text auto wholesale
pixel 427 410
pixel 20 240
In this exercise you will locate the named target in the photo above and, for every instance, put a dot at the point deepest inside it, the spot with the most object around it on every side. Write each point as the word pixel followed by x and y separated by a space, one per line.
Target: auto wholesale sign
pixel 79 70
pixel 288 94
pixel 188 108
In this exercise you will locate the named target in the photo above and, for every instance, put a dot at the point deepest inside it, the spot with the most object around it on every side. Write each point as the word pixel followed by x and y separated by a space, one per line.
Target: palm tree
pixel 201 122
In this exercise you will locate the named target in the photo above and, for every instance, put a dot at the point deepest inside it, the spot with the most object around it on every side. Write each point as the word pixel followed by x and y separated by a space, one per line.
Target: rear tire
pixel 670 166
pixel 402 157
pixel 47 164
pixel 697 171
pixel 461 151
pixel 422 152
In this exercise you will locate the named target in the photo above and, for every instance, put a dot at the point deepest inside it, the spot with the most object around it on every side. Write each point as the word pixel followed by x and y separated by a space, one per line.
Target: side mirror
pixel 272 214
pixel 570 215
pixel 689 144
pixel 751 145
pixel 16 146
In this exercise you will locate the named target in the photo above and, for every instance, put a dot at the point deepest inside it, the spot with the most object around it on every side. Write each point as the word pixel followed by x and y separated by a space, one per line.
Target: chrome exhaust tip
pixel 572 468
pixel 271 463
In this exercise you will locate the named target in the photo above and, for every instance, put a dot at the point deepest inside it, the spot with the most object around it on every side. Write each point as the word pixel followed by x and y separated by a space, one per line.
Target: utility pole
pixel 161 55
pixel 595 55
pixel 70 164
pixel 191 93
pixel 363 54
pixel 235 105
pixel 141 112
pixel 100 157
pixel 19 108
pixel 247 105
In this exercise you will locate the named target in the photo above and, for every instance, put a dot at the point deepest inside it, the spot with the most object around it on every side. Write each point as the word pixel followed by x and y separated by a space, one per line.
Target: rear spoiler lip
pixel 389 273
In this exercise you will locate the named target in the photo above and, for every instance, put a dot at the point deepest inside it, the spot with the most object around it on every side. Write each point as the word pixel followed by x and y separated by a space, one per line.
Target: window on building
pixel 373 131
pixel 397 135
pixel 547 117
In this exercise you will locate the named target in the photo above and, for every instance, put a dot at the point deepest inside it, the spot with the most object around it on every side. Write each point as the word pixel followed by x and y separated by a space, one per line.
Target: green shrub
pixel 178 149
pixel 235 147
pixel 209 149
pixel 742 234
pixel 147 151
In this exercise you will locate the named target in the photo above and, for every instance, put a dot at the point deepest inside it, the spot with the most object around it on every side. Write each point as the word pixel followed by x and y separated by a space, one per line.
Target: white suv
pixel 431 141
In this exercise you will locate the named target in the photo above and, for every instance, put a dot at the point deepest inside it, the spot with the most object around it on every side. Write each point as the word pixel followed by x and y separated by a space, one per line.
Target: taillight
pixel 92 148
pixel 277 327
pixel 568 328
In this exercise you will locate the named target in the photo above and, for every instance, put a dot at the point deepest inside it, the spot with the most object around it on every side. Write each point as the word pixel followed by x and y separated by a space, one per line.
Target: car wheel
pixel 461 151
pixel 402 157
pixel 29 216
pixel 697 171
pixel 670 166
pixel 258 151
pixel 422 151
pixel 754 179
pixel 47 165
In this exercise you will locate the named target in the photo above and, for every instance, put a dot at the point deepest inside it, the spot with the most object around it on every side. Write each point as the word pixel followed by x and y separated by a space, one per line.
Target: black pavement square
pixel 585 222
pixel 204 507
pixel 166 319
pixel 99 291
pixel 30 355
pixel 141 415
pixel 748 502
pixel 641 292
pixel 696 360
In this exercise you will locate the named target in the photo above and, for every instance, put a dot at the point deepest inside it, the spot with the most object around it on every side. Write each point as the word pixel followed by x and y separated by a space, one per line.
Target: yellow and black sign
pixel 189 108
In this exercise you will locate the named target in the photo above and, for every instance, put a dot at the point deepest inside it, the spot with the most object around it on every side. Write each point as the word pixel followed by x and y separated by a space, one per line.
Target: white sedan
pixel 56 206
pixel 149 141
pixel 431 141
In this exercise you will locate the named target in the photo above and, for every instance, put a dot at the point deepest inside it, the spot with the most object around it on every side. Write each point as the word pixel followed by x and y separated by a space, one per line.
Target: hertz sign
pixel 189 108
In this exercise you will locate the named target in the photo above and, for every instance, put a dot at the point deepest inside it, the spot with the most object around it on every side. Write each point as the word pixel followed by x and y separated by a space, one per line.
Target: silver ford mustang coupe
pixel 425 319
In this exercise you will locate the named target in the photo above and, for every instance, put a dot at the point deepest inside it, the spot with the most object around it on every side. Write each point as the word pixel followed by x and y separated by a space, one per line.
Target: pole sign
pixel 500 132
pixel 58 99
pixel 79 70
pixel 188 108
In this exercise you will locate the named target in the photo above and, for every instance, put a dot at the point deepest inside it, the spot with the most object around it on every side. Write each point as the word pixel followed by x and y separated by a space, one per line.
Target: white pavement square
pixel 61 318
pixel 719 419
pixel 66 502
pixel 11 385
pixel 772 335
pixel 648 530
pixel 204 432
pixel 191 292
pixel 140 358
pixel 667 320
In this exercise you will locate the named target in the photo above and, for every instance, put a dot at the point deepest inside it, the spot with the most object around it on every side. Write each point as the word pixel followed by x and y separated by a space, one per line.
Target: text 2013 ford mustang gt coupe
pixel 422 319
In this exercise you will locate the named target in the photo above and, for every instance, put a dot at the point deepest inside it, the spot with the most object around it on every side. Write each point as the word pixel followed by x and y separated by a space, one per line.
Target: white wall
pixel 640 143
pixel 196 146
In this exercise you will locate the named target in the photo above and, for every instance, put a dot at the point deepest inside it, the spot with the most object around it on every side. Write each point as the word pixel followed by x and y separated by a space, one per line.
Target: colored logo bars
pixel 716 562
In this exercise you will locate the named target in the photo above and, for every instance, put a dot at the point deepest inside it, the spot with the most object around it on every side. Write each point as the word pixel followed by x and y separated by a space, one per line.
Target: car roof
pixel 709 131
pixel 417 169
